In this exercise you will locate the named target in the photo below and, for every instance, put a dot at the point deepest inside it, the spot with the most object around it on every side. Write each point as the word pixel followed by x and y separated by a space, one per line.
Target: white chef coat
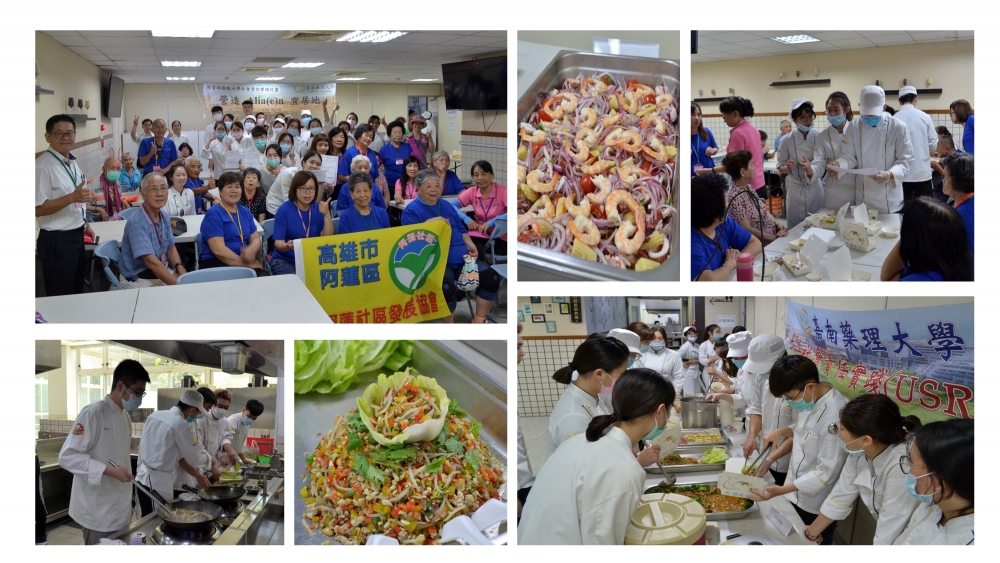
pixel 431 131
pixel 885 147
pixel 210 130
pixel 52 181
pixel 178 201
pixel 301 148
pixel 689 351
pixel 879 484
pixel 102 432
pixel 803 196
pixel 829 147
pixel 670 365
pixel 178 140
pixel 573 413
pixel 584 494
pixel 166 438
pixel 705 351
pixel 217 152
pixel 278 193
pixel 924 528
pixel 816 458
pixel 923 139
pixel 524 476
pixel 203 465
pixel 235 432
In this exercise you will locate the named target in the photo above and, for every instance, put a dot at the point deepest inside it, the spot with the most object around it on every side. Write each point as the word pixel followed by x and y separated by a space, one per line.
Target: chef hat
pixel 738 344
pixel 763 352
pixel 626 337
pixel 279 120
pixel 872 100
pixel 306 112
pixel 426 115
pixel 796 103
pixel 907 90
pixel 193 398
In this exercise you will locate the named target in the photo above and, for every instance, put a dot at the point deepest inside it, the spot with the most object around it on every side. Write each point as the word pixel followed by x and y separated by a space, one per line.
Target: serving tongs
pixel 756 462
pixel 668 480
pixel 153 495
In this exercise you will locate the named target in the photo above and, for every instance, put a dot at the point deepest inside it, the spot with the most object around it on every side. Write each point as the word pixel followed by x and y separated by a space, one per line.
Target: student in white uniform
pixel 881 142
pixel 804 192
pixel 306 118
pixel 176 136
pixel 667 363
pixel 217 148
pixel 736 352
pixel 830 146
pixel 216 118
pixel 234 439
pixel 706 351
pixel 939 473
pixel 873 433
pixel 817 458
pixel 207 465
pixel 214 425
pixel 689 354
pixel 634 342
pixel 525 478
pixel 587 490
pixel 924 140
pixel 101 496
pixel 168 437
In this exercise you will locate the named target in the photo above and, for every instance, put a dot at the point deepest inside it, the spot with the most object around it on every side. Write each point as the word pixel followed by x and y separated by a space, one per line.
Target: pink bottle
pixel 744 267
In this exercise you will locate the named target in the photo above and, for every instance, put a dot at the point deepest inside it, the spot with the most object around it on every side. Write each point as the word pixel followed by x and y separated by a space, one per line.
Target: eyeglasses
pixel 64 134
pixel 134 392
pixel 307 190
pixel 158 190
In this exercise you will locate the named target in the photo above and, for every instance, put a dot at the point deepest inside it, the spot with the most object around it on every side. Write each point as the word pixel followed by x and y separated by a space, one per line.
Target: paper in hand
pixel 861 171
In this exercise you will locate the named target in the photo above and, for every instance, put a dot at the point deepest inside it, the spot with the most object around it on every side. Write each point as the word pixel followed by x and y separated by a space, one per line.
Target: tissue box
pixel 856 236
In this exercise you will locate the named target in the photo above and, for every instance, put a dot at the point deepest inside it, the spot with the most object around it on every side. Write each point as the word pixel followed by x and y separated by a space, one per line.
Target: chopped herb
pixel 474 427
pixel 454 446
pixel 309 459
pixel 453 408
pixel 355 423
pixel 361 465
pixel 434 466
pixel 472 458
pixel 396 454
pixel 353 441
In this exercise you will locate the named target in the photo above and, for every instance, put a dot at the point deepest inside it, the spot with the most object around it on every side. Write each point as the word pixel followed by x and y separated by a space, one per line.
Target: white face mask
pixel 219 412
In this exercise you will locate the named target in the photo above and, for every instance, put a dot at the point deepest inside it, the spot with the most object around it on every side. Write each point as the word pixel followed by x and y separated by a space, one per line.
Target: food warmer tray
pixel 722 515
pixel 476 389
pixel 539 264
pixel 721 444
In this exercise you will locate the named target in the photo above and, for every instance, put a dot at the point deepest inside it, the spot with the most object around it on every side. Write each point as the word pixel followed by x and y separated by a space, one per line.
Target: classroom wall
pixel 769 312
pixel 564 326
pixel 669 41
pixel 713 310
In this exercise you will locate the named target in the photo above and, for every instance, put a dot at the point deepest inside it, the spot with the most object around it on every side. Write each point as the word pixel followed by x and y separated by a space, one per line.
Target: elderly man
pixel 130 175
pixel 192 165
pixel 924 139
pixel 149 257
pixel 113 203
pixel 147 129
pixel 786 128
pixel 157 152
pixel 60 195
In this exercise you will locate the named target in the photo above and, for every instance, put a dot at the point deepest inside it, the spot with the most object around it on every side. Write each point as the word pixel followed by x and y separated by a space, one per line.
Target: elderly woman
pixel 429 207
pixel 149 258
pixel 450 184
pixel 253 196
pixel 488 200
pixel 421 145
pixel 747 209
pixel 130 176
pixel 278 194
pixel 299 217
pixel 716 239
pixel 959 186
pixel 360 164
pixel 363 136
pixel 394 153
pixel 180 200
pixel 362 216
pixel 113 204
pixel 229 235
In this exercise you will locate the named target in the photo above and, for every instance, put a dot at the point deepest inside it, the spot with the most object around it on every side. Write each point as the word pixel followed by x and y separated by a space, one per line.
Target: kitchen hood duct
pixel 234 358
pixel 48 355
pixel 255 355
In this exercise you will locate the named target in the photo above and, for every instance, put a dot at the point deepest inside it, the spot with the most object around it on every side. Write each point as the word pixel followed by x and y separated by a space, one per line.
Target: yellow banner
pixel 382 276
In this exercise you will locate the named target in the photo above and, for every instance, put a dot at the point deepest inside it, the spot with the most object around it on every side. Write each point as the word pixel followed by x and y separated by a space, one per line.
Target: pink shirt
pixel 746 137
pixel 485 209
pixel 410 192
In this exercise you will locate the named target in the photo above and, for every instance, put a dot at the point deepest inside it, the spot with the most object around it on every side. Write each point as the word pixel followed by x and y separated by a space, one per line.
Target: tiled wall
pixel 90 158
pixel 537 392
pixel 772 126
pixel 490 149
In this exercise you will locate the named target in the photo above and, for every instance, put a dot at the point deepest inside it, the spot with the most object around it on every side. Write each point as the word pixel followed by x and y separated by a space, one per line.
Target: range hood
pixel 48 355
pixel 209 353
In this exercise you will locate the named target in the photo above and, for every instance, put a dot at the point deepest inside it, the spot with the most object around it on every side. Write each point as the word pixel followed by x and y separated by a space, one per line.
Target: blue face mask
pixel 739 363
pixel 285 148
pixel 692 339
pixel 132 403
pixel 630 362
pixel 316 130
pixel 871 120
pixel 802 404
pixel 191 419
pixel 911 485
pixel 644 348
pixel 293 132
pixel 247 421
pixel 657 346
pixel 716 336
pixel 843 446
pixel 219 135
pixel 229 124
pixel 836 120
pixel 305 120
pixel 656 431
pixel 804 128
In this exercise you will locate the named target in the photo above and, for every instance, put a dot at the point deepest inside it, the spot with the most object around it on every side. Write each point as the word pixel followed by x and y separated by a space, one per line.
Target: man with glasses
pixel 101 498
pixel 158 152
pixel 149 257
pixel 61 196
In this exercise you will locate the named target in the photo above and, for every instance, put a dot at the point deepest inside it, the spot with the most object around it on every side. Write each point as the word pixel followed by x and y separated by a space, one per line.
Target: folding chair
pixel 217 274
pixel 108 253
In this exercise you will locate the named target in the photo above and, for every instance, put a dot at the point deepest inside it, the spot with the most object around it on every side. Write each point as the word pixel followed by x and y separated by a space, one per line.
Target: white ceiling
pixel 724 45
pixel 135 56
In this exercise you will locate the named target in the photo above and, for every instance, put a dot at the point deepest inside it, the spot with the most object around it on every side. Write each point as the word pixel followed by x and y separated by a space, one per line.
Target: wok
pixel 219 494
pixel 213 511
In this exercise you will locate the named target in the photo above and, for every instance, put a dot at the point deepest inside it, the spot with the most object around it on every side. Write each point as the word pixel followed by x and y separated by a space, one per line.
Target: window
pixel 91 389
pixel 41 400
pixel 91 357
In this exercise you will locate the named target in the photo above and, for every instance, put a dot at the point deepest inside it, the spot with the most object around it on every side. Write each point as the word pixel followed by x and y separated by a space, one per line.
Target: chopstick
pixel 153 495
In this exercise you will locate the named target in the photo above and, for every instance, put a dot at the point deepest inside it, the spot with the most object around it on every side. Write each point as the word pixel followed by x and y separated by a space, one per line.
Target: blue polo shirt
pixel 418 212
pixel 168 155
pixel 390 156
pixel 729 235
pixel 344 169
pixel 344 199
pixel 195 183
pixel 351 221
pixel 922 276
pixel 967 210
pixel 142 238
pixel 452 185
pixel 969 135
pixel 130 182
pixel 219 223
pixel 698 148
pixel 288 226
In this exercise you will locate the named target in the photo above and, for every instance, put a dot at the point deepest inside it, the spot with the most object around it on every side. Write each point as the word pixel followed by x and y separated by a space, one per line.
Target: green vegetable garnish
pixel 331 366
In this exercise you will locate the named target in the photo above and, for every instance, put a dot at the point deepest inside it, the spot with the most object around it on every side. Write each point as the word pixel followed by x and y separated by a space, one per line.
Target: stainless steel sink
pixel 269 527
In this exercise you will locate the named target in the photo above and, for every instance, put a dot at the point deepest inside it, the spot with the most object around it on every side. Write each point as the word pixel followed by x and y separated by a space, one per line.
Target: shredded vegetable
pixel 595 170
pixel 403 408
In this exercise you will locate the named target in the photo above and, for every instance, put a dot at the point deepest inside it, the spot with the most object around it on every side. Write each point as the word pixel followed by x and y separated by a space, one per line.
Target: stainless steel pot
pixel 696 412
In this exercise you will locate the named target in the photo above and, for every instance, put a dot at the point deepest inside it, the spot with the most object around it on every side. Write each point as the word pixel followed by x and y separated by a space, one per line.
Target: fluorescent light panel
pixel 350 79
pixel 301 65
pixel 184 33
pixel 371 36
pixel 181 63
pixel 795 39
pixel 180 78
pixel 423 80
pixel 270 78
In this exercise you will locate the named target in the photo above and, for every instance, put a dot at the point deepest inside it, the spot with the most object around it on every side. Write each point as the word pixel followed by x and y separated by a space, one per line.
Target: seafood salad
pixel 595 169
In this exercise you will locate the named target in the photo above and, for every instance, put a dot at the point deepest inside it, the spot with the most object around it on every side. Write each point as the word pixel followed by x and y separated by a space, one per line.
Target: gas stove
pixel 164 534
pixel 230 514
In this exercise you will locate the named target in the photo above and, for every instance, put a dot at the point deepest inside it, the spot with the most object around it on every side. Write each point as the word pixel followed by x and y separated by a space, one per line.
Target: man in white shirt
pixel 430 130
pixel 147 129
pixel 60 198
pixel 924 140
pixel 234 440
pixel 101 497
pixel 216 117
pixel 248 110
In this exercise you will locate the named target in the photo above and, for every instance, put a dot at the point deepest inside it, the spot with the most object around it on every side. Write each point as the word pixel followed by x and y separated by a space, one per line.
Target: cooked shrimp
pixel 544 208
pixel 598 167
pixel 653 118
pixel 603 189
pixel 585 230
pixel 641 91
pixel 593 87
pixel 629 140
pixel 588 135
pixel 568 104
pixel 628 103
pixel 536 184
pixel 521 173
pixel 613 119
pixel 629 172
pixel 583 151
pixel 618 262
pixel 619 197
pixel 537 135
pixel 589 116
pixel 524 218
pixel 629 238
pixel 664 100
pixel 659 151
pixel 614 137
pixel 576 210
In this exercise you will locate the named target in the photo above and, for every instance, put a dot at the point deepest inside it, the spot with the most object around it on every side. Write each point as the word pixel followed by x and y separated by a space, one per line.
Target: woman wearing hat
pixel 421 145
pixel 880 142
pixel 804 190
pixel 829 147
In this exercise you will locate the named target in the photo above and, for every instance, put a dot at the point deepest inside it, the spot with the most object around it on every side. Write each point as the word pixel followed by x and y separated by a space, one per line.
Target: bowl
pixel 814 276
pixel 769 269
pixel 889 232
pixel 797 244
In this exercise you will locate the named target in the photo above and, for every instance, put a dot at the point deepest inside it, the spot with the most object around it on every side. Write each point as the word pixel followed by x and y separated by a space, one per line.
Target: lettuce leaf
pixel 715 455
pixel 423 432
pixel 331 366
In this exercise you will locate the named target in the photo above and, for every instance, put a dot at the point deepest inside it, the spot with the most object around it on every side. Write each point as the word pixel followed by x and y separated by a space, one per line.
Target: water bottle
pixel 744 267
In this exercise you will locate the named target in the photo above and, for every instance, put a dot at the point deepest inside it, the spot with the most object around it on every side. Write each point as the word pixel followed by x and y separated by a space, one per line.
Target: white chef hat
pixel 796 103
pixel 306 112
pixel 193 398
pixel 907 90
pixel 426 115
pixel 738 344
pixel 872 100
pixel 279 120
pixel 763 352
pixel 626 337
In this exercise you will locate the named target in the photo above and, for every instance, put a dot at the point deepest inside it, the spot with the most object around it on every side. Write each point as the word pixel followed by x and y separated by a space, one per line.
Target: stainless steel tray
pixel 468 380
pixel 539 264
pixel 689 451
pixel 723 515
pixel 710 444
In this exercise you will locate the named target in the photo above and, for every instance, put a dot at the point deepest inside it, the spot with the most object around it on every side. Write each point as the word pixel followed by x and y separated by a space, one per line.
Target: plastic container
pixel 744 267
pixel 667 519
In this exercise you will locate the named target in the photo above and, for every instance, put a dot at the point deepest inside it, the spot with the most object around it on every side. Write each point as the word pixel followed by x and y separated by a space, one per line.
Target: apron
pixel 159 481
pixel 804 197
pixel 843 189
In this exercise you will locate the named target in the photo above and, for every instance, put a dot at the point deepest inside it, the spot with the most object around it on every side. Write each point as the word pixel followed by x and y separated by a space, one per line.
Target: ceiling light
pixel 795 39
pixel 350 79
pixel 184 33
pixel 270 78
pixel 181 63
pixel 371 36
pixel 423 80
pixel 301 65
pixel 180 78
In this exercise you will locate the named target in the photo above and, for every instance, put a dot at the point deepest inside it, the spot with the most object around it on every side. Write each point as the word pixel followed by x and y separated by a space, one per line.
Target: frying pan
pixel 214 512
pixel 218 494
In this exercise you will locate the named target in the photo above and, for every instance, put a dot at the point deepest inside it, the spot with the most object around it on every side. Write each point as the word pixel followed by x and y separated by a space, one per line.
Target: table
pixel 115 230
pixel 103 307
pixel 869 262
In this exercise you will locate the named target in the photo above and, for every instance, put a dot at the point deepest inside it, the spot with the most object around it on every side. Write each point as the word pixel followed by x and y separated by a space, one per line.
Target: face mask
pixel 132 403
pixel 316 130
pixel 217 116
pixel 273 163
pixel 631 361
pixel 607 390
pixel 293 132
pixel 836 120
pixel 716 336
pixel 911 485
pixel 229 124
pixel 657 346
pixel 353 122
pixel 802 404
pixel 644 348
pixel 285 147
pixel 739 363
pixel 219 135
pixel 219 412
pixel 191 419
pixel 804 128
pixel 247 421
pixel 237 135
pixel 692 339
pixel 260 121
pixel 112 175
pixel 277 130
pixel 843 446
pixel 871 121
pixel 656 431
pixel 305 120
pixel 260 144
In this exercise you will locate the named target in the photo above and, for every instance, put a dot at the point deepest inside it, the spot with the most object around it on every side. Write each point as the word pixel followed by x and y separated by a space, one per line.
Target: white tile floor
pixel 66 533
pixel 536 439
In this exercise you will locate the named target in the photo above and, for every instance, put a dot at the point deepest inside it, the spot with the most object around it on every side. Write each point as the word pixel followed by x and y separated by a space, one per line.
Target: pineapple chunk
pixel 645 264
pixel 529 193
pixel 653 242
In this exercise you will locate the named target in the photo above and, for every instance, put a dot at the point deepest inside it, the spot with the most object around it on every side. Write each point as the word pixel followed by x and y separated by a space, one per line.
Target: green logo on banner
pixel 414 257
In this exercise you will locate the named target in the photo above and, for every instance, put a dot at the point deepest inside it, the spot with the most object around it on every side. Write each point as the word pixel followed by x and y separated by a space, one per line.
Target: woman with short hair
pixel 302 216
pixel 450 183
pixel 361 163
pixel 229 235
pixel 488 200
pixel 362 216
pixel 961 113
pixel 716 239
pixel 745 207
pixel 253 197
pixel 959 185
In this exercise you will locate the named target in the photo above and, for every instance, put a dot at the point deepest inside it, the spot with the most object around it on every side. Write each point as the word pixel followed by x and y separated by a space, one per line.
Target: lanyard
pixel 306 226
pixel 371 226
pixel 486 212
pixel 960 201
pixel 156 227
pixel 72 175
pixel 238 222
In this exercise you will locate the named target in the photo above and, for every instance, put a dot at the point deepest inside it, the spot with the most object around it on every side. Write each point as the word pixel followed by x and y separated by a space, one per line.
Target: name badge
pixel 399 161
pixel 155 168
